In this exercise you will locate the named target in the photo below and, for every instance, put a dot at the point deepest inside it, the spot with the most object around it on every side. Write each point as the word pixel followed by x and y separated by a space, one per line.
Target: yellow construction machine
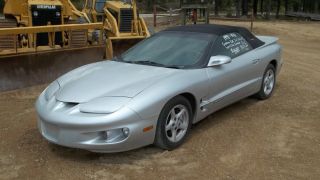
pixel 42 39
pixel 94 9
pixel 42 25
pixel 121 22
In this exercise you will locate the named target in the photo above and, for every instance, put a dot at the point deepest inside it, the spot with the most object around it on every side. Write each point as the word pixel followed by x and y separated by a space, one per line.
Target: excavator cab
pixel 99 6
pixel 94 10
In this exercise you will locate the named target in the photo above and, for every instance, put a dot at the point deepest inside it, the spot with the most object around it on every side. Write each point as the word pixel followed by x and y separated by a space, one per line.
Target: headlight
pixel 104 105
pixel 35 13
pixel 51 90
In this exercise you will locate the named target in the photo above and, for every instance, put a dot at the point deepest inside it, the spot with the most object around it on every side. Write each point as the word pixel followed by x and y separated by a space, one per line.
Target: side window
pixel 100 5
pixel 231 44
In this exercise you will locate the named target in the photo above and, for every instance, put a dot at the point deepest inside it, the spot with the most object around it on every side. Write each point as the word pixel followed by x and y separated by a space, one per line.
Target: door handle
pixel 255 61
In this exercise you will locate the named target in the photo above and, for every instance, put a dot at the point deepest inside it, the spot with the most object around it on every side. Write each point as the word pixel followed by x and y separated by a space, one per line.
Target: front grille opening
pixel 41 16
pixel 70 104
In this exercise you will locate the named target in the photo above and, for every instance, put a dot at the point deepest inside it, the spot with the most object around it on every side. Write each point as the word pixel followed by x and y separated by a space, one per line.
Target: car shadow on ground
pixel 216 117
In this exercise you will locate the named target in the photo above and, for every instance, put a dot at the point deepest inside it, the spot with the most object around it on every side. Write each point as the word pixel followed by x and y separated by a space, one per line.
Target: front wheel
pixel 174 123
pixel 268 83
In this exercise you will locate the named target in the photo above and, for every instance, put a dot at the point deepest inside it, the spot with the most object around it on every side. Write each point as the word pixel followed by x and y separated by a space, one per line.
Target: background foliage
pixel 237 7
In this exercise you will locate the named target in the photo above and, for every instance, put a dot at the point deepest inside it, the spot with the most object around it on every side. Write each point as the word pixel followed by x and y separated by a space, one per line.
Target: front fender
pixel 149 103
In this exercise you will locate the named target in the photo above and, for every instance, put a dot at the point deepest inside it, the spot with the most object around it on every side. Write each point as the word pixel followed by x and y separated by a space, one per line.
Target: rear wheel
pixel 268 83
pixel 174 123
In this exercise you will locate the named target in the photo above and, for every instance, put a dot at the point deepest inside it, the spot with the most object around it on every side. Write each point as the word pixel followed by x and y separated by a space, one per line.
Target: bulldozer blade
pixel 34 69
pixel 120 46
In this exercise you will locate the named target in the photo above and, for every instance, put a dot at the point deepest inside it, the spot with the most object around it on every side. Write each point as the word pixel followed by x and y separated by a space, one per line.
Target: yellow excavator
pixel 42 39
pixel 121 21
pixel 31 22
pixel 35 25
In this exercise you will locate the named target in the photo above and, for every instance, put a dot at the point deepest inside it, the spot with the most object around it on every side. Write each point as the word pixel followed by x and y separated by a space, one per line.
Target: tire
pixel 172 129
pixel 268 83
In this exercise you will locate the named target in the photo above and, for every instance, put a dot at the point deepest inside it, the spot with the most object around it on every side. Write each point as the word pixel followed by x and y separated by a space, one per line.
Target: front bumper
pixel 66 126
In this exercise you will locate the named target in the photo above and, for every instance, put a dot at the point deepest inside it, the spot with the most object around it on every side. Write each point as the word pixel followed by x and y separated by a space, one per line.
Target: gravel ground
pixel 274 139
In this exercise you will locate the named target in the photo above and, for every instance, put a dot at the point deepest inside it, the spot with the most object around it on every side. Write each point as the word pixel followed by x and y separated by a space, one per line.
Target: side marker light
pixel 146 129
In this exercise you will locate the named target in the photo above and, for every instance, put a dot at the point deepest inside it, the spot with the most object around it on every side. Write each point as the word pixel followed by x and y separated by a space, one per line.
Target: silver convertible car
pixel 156 90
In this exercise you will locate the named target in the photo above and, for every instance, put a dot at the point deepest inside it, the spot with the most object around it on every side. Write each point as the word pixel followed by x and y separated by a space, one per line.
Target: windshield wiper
pixel 152 63
pixel 146 62
pixel 174 67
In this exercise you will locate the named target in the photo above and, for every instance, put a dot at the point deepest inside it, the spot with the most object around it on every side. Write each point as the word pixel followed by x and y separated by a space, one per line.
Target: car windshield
pixel 169 49
pixel 100 5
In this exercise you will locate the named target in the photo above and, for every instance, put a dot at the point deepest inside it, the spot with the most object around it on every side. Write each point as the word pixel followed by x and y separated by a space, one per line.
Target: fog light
pixel 114 135
pixel 125 132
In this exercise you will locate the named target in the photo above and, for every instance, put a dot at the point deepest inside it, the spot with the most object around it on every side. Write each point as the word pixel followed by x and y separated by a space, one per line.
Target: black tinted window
pixel 100 5
pixel 231 44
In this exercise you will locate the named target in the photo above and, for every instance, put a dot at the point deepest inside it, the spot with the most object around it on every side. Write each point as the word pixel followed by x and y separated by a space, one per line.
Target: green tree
pixel 268 8
pixel 245 7
pixel 278 8
pixel 255 7
pixel 286 6
pixel 1 6
pixel 261 6
pixel 217 4
pixel 238 7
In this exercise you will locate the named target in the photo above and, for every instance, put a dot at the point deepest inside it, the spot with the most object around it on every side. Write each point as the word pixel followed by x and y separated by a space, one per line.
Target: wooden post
pixel 109 49
pixel 170 15
pixel 34 35
pixel 15 43
pixel 154 15
pixel 252 19
pixel 135 17
pixel 100 37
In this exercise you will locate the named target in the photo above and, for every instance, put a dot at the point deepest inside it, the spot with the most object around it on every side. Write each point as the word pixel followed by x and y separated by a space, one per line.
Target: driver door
pixel 235 80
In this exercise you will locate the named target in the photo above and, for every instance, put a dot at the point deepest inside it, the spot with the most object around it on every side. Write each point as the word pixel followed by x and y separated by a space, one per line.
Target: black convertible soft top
pixel 219 30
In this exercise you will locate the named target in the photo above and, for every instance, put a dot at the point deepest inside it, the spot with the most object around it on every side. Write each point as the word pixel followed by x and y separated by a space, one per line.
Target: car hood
pixel 108 79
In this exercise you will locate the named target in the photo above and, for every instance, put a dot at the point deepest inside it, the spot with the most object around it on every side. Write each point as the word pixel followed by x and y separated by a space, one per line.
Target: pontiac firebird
pixel 155 91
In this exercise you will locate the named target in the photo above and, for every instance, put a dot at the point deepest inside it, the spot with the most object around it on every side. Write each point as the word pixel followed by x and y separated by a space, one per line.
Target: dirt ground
pixel 274 139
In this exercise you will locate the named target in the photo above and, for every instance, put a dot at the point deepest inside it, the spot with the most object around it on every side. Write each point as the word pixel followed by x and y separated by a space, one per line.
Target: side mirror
pixel 219 60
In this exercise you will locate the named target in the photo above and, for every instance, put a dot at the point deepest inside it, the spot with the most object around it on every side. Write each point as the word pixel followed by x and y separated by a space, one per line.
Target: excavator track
pixel 8 42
